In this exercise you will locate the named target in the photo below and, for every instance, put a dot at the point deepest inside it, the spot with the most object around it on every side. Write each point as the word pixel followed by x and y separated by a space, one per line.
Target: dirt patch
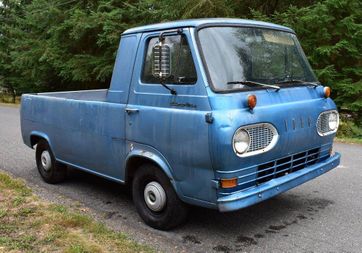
pixel 109 215
pixel 268 231
pixel 277 227
pixel 288 223
pixel 301 217
pixel 320 203
pixel 190 238
pixel 245 241
pixel 222 248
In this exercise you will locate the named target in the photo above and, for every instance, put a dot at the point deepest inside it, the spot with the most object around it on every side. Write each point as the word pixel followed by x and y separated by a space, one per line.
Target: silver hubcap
pixel 155 196
pixel 46 161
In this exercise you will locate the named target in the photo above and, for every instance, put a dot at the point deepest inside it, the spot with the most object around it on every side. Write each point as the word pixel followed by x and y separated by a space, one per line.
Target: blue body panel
pixel 89 135
pixel 188 135
pixel 289 110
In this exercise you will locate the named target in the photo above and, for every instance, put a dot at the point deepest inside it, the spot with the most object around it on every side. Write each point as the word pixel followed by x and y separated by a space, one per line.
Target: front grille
pixel 263 137
pixel 255 175
pixel 284 166
pixel 322 123
pixel 260 137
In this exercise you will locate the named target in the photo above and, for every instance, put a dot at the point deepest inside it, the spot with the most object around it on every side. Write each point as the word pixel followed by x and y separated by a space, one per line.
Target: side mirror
pixel 161 61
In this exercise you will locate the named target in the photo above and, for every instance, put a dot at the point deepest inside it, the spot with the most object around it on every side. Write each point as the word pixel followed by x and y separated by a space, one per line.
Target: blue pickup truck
pixel 218 113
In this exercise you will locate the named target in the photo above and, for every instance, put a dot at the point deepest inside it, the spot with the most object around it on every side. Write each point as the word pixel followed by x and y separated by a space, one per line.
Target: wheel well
pixel 134 163
pixel 34 139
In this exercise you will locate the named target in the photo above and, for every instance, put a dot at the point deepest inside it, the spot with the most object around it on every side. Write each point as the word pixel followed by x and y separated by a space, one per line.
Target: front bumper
pixel 276 186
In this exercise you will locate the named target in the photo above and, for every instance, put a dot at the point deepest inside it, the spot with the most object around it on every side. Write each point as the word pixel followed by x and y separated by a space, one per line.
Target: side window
pixel 182 65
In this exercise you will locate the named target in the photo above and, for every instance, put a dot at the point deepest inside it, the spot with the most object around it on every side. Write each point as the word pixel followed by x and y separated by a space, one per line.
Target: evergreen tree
pixel 51 45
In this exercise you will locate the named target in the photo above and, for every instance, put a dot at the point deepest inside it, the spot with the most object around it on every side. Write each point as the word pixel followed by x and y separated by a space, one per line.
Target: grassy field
pixel 28 224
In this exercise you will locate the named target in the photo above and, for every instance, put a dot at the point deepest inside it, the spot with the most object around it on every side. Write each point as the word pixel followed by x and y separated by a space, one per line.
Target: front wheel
pixel 155 199
pixel 50 170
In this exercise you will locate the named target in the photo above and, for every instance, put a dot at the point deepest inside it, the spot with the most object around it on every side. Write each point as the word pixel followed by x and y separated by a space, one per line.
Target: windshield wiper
pixel 314 84
pixel 253 84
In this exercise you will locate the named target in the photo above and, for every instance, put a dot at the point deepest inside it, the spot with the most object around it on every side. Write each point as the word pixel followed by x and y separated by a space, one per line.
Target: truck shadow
pixel 98 184
pixel 249 226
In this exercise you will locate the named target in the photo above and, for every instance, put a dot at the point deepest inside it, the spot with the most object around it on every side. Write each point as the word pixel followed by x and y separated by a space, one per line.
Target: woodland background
pixel 52 45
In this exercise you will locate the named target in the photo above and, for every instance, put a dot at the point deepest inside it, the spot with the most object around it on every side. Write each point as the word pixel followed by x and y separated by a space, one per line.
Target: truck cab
pixel 218 113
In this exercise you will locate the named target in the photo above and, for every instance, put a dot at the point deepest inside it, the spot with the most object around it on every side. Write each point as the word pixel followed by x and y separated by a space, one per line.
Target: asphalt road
pixel 324 215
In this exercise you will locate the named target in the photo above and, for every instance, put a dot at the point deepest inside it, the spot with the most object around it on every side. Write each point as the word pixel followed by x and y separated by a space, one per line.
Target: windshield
pixel 236 56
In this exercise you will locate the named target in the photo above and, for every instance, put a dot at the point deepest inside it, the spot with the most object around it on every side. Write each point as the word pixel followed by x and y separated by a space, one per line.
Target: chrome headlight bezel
pixel 325 128
pixel 251 150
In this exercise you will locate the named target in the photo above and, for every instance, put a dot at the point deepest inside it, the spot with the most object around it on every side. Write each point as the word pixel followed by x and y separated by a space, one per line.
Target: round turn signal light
pixel 252 101
pixel 327 92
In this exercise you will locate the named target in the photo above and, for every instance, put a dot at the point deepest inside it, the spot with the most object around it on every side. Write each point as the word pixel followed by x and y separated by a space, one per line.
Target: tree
pixel 331 34
pixel 9 9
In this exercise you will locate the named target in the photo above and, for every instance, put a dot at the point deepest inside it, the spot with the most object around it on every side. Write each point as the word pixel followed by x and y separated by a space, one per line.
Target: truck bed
pixel 82 128
pixel 87 95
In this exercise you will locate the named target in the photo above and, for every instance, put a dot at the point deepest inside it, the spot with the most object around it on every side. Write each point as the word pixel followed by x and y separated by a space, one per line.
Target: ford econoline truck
pixel 218 113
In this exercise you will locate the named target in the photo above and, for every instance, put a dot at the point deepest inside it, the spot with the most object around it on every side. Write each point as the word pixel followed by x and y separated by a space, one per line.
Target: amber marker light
pixel 327 92
pixel 251 101
pixel 228 183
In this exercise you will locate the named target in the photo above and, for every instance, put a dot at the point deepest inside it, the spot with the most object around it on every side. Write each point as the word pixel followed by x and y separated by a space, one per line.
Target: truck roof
pixel 205 22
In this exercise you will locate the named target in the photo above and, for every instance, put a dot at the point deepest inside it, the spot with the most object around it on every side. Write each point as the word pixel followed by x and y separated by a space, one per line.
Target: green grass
pixel 349 140
pixel 28 224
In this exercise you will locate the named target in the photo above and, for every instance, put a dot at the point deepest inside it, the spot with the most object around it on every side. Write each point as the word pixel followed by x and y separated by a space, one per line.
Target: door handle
pixel 131 110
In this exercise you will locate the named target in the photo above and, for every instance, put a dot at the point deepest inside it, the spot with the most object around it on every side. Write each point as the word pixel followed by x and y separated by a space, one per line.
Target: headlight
pixel 327 122
pixel 241 141
pixel 333 121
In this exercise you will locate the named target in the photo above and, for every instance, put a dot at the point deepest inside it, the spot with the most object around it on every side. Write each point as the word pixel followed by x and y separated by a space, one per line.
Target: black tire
pixel 56 172
pixel 174 212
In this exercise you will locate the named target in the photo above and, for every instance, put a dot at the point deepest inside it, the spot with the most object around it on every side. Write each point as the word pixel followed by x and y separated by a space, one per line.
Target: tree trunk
pixel 12 92
pixel 13 97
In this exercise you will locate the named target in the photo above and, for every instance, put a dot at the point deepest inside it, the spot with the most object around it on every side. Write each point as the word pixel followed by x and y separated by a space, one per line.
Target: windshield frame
pixel 205 65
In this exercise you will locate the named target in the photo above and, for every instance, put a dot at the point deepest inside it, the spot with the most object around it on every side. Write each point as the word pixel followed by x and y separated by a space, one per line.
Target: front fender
pixel 150 153
pixel 40 135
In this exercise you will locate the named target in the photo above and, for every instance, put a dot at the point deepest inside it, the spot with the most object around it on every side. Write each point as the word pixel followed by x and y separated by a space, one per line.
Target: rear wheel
pixel 155 199
pixel 50 170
